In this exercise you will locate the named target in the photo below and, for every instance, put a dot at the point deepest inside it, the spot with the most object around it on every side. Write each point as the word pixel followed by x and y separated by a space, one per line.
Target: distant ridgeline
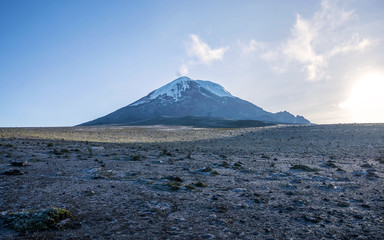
pixel 197 103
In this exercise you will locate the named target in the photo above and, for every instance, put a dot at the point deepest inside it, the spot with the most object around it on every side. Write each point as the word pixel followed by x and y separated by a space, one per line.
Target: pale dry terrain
pixel 282 182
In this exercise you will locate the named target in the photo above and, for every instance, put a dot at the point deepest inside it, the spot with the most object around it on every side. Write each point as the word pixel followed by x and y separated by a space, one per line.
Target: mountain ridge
pixel 184 97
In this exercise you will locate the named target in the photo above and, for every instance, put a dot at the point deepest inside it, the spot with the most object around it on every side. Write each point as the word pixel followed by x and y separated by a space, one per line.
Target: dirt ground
pixel 281 182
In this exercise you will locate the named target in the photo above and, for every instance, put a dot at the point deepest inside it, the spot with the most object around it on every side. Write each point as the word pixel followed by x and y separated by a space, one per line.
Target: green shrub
pixel 32 221
pixel 304 168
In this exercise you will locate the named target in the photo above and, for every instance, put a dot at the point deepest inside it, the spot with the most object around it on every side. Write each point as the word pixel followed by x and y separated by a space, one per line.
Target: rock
pixel 311 219
pixel 239 190
pixel 359 173
pixel 13 172
pixel 19 163
pixel 208 236
pixel 212 216
pixel 216 197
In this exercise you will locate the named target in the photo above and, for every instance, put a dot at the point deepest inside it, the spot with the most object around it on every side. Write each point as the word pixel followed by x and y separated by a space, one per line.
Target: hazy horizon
pixel 63 63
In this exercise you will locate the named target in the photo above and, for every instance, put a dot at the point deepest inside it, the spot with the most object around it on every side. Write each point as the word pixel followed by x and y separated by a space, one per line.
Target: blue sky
pixel 66 62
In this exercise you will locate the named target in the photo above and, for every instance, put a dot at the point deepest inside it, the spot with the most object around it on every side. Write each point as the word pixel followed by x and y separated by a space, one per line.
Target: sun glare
pixel 366 100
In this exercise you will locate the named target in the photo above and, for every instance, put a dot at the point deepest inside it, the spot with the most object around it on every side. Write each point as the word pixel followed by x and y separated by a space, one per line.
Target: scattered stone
pixel 239 190
pixel 208 236
pixel 265 156
pixel 311 219
pixel 216 197
pixel 359 173
pixel 89 193
pixel 366 165
pixel 12 172
pixel 329 164
pixel 19 163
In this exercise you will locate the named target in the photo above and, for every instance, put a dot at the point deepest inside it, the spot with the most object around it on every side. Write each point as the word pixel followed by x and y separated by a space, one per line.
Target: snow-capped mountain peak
pixel 214 88
pixel 187 102
pixel 175 89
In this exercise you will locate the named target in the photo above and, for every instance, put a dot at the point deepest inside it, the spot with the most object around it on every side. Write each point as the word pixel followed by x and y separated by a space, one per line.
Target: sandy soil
pixel 283 182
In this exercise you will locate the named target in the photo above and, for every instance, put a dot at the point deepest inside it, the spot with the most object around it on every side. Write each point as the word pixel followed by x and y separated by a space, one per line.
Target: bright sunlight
pixel 366 100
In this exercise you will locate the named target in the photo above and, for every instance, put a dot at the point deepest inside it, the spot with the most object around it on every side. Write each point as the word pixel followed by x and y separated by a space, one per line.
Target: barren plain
pixel 280 182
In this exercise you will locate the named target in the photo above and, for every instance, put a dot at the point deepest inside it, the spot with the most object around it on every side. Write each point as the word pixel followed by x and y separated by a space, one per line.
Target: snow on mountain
pixel 214 88
pixel 175 89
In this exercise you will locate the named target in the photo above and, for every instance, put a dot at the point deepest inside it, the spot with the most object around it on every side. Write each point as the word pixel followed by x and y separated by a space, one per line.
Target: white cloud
pixel 252 46
pixel 314 42
pixel 200 53
pixel 204 53
pixel 355 45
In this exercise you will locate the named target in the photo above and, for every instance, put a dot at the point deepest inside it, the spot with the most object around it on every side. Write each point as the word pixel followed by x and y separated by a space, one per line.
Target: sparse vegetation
pixel 200 184
pixel 46 219
pixel 165 152
pixel 174 185
pixel 303 168
pixel 136 157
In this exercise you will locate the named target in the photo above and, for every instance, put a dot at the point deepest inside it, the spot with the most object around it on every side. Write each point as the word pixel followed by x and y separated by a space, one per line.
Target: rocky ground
pixel 281 182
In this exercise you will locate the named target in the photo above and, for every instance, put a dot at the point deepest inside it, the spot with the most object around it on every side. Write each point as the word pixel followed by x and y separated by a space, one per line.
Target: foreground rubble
pixel 283 182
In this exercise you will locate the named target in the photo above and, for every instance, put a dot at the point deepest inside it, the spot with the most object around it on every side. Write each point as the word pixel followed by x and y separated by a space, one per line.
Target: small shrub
pixel 303 168
pixel 51 218
pixel 90 150
pixel 200 184
pixel 190 187
pixel 166 153
pixel 237 165
pixel 56 152
pixel 221 209
pixel 174 178
pixel 342 204
pixel 64 150
pixel 136 157
pixel 224 164
pixel 173 185
pixel 330 164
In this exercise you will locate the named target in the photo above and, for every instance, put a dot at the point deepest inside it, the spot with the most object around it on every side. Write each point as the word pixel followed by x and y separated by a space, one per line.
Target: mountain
pixel 202 100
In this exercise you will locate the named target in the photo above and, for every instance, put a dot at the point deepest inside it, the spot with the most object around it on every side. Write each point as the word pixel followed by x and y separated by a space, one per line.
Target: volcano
pixel 187 102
